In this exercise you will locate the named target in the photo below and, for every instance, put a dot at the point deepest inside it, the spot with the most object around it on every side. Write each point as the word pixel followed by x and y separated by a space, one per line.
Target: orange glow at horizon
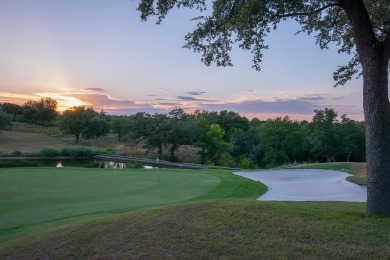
pixel 64 101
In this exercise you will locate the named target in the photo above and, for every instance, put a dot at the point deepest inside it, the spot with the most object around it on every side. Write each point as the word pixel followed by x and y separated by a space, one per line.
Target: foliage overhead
pixel 249 22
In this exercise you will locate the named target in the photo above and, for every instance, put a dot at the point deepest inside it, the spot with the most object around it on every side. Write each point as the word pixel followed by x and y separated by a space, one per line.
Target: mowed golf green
pixel 35 195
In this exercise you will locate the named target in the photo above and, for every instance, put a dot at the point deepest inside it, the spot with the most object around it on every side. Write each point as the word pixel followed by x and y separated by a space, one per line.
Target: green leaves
pixel 78 121
pixel 248 23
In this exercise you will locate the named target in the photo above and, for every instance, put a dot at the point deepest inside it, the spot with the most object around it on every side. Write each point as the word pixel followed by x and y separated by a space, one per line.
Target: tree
pixel 120 125
pixel 5 119
pixel 202 126
pixel 72 121
pixel 180 131
pixel 157 133
pixel 229 121
pixel 352 139
pixel 282 141
pixel 42 112
pixel 244 144
pixel 140 127
pixel 12 109
pixel 325 137
pixel 85 122
pixel 95 125
pixel 361 25
pixel 210 139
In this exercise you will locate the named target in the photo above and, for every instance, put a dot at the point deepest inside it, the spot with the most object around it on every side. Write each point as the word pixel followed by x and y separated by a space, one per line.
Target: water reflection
pixel 114 165
pixel 59 165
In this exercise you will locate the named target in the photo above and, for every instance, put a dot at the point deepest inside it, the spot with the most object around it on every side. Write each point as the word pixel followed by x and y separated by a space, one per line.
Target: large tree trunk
pixel 374 57
pixel 377 121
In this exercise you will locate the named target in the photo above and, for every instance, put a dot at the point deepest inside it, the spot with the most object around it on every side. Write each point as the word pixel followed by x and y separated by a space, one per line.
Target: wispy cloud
pixel 313 97
pixel 267 107
pixel 186 98
pixel 173 104
pixel 195 93
pixel 16 98
pixel 189 98
pixel 95 89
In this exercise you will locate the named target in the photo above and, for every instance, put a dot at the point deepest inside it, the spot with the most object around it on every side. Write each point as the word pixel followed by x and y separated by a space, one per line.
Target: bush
pixel 79 151
pixel 16 153
pixel 9 164
pixel 226 160
pixel 110 151
pixel 245 163
pixel 49 152
pixel 93 164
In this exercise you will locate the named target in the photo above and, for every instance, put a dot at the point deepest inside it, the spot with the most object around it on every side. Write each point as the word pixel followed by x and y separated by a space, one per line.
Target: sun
pixel 64 101
pixel 69 102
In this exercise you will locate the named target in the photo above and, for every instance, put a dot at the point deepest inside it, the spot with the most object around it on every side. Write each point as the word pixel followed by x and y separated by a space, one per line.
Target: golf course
pixel 83 213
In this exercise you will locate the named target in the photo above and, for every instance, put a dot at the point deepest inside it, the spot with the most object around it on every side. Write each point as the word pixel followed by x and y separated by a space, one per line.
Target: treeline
pixel 42 112
pixel 222 138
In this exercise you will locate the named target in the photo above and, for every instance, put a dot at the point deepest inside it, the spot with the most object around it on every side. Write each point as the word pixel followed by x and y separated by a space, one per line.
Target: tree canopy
pixel 80 121
pixel 5 119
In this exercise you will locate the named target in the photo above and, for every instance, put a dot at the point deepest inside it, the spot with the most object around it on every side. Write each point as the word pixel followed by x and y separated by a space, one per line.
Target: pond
pixel 87 163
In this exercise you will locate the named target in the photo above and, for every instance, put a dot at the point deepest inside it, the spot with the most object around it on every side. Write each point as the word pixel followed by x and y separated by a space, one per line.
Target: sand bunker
pixel 307 185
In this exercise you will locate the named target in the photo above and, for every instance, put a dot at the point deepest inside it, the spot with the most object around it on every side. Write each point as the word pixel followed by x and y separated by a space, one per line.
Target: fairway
pixel 36 195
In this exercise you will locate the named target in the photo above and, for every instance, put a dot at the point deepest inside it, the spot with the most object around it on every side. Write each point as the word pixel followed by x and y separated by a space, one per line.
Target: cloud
pixel 283 107
pixel 95 89
pixel 251 90
pixel 169 104
pixel 187 98
pixel 313 97
pixel 195 93
pixel 131 111
pixel 16 98
pixel 102 101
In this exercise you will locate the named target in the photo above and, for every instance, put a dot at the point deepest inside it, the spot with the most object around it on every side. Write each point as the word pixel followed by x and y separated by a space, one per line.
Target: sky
pixel 99 53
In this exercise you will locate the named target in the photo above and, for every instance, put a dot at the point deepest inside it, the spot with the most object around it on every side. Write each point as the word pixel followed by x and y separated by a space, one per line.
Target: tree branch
pixel 311 13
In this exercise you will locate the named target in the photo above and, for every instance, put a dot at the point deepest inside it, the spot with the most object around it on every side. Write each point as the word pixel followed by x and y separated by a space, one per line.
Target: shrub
pixel 9 164
pixel 49 152
pixel 16 153
pixel 226 160
pixel 245 163
pixel 79 151
pixel 109 151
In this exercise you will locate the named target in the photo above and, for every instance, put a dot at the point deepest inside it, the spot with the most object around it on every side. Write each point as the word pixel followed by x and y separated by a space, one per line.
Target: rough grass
pixel 224 229
pixel 29 138
pixel 27 142
pixel 358 170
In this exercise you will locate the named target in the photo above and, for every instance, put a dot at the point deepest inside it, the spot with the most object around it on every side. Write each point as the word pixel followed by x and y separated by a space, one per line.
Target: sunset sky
pixel 99 53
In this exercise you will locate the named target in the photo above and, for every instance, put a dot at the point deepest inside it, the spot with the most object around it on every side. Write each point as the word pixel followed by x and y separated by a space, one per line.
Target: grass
pixel 33 197
pixel 127 214
pixel 358 170
pixel 224 229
